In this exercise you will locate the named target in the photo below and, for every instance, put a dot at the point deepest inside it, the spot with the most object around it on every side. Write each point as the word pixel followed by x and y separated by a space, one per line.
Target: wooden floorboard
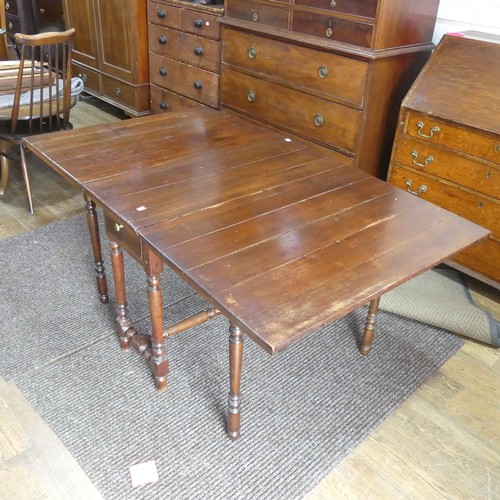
pixel 443 442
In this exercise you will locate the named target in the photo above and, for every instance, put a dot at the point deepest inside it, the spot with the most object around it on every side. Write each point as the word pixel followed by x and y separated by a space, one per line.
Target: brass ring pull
pixel 421 189
pixel 323 71
pixel 434 130
pixel 252 53
pixel 251 96
pixel 428 159
pixel 255 17
pixel 318 120
pixel 117 227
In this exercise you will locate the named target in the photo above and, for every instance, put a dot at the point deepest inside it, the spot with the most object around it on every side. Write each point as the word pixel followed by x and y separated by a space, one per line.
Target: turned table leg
pixel 158 360
pixel 367 340
pixel 234 398
pixel 124 328
pixel 92 222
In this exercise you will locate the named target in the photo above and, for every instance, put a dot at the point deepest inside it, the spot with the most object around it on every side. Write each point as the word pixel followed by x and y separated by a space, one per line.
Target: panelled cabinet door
pixel 120 35
pixel 79 14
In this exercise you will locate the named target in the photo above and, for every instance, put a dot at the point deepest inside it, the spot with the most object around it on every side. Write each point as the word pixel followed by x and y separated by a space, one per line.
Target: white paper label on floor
pixel 143 473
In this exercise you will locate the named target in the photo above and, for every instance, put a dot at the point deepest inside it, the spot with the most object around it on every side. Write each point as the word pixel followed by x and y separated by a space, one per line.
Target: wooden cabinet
pixel 184 54
pixel 111 51
pixel 333 72
pixel 447 146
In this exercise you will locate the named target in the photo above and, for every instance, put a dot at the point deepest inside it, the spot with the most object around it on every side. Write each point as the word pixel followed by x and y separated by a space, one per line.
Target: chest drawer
pixel 181 46
pixel 331 28
pixel 308 69
pixel 267 14
pixel 90 78
pixel 363 8
pixel 473 143
pixel 483 258
pixel 195 83
pixel 310 116
pixel 464 171
pixel 200 23
pixel 163 101
pixel 121 233
pixel 164 15
pixel 476 208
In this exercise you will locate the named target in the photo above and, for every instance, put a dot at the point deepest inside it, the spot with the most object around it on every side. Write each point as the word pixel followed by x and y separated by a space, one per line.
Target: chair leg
pixel 26 178
pixel 4 174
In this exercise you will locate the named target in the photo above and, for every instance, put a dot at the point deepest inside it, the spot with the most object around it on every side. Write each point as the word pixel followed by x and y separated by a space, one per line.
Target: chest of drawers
pixel 184 54
pixel 331 71
pixel 447 146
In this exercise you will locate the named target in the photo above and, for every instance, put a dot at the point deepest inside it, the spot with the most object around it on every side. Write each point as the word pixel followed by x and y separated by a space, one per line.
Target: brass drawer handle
pixel 421 189
pixel 318 120
pixel 7 6
pixel 329 32
pixel 10 26
pixel 428 159
pixel 118 227
pixel 434 130
pixel 42 11
pixel 118 91
pixel 252 53
pixel 84 77
pixel 255 17
pixel 322 71
pixel 333 4
pixel 251 96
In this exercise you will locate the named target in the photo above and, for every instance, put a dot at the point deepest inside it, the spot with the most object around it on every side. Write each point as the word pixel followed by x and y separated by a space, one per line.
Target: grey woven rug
pixel 303 410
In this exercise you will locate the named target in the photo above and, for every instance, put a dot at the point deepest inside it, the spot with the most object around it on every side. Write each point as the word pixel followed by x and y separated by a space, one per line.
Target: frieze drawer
pixel 310 116
pixel 363 8
pixel 119 232
pixel 308 69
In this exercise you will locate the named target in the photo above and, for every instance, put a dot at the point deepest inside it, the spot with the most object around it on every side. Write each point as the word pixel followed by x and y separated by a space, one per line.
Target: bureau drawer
pixel 310 116
pixel 201 24
pixel 364 8
pixel 120 92
pixel 90 78
pixel 307 69
pixel 164 15
pixel 459 138
pixel 435 160
pixel 331 28
pixel 195 83
pixel 269 15
pixel 476 208
pixel 163 101
pixel 118 231
pixel 192 49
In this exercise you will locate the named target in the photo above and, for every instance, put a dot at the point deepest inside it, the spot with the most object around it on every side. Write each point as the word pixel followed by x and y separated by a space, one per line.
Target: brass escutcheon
pixel 252 53
pixel 323 71
pixel 318 120
pixel 251 96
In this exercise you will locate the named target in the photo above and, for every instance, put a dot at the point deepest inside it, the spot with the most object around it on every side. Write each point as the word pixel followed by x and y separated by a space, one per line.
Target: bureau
pixel 447 146
pixel 331 71
pixel 184 54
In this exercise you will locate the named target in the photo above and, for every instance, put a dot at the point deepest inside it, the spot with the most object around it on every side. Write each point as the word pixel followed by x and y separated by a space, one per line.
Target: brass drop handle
pixel 197 85
pixel 198 23
pixel 421 189
pixel 323 71
pixel 118 91
pixel 252 53
pixel 162 14
pixel 118 227
pixel 434 130
pixel 163 71
pixel 428 159
pixel 198 51
pixel 162 40
pixel 318 120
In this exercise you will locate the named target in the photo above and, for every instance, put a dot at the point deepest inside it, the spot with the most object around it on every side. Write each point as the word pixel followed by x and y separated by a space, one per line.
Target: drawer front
pixel 476 208
pixel 119 91
pixel 332 28
pixel 118 231
pixel 195 83
pixel 364 8
pixel 455 137
pixel 268 15
pixel 192 49
pixel 11 7
pixel 431 159
pixel 90 78
pixel 164 15
pixel 163 101
pixel 308 69
pixel 201 24
pixel 310 116
pixel 483 258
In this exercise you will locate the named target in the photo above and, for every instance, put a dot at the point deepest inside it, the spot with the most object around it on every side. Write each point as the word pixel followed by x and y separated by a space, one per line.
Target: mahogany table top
pixel 282 236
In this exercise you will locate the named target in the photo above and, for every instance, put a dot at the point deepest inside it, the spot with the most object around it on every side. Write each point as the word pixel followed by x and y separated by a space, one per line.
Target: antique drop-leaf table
pixel 278 235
